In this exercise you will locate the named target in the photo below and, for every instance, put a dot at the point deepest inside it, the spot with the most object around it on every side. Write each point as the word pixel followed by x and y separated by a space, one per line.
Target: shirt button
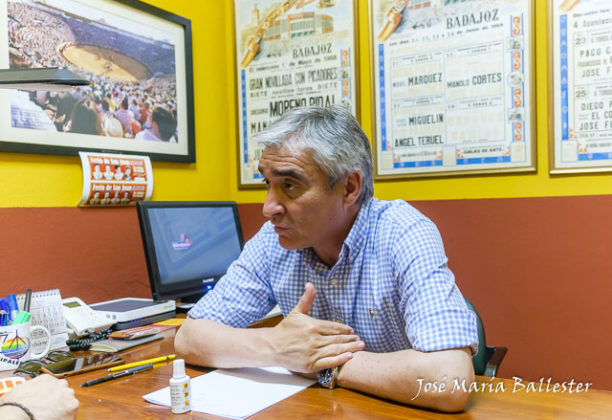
pixel 334 282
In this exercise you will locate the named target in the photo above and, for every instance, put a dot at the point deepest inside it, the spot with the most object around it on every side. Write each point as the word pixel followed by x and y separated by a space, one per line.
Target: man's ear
pixel 352 188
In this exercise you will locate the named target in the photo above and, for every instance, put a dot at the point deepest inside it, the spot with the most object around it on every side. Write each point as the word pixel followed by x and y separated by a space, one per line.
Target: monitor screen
pixel 188 245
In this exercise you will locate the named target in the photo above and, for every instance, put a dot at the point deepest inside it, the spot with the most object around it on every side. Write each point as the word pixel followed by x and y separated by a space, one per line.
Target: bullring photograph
pixel 138 64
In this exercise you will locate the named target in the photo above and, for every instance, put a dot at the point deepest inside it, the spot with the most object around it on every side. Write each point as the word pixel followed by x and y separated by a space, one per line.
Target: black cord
pixel 76 344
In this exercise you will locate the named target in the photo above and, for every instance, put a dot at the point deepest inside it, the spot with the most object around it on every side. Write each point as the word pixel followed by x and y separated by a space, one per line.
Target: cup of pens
pixel 17 345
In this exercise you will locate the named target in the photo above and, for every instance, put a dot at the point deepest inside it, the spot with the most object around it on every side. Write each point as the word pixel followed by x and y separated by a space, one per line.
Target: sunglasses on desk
pixel 31 368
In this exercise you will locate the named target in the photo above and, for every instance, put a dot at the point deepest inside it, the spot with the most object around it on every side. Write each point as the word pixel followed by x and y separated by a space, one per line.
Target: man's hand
pixel 304 344
pixel 46 397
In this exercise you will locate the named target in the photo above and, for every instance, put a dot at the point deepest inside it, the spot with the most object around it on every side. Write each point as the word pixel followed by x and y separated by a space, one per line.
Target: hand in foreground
pixel 46 397
pixel 304 344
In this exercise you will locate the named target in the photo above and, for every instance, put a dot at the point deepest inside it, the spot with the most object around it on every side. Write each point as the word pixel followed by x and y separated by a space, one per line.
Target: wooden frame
pixel 580 86
pixel 288 54
pixel 127 49
pixel 452 87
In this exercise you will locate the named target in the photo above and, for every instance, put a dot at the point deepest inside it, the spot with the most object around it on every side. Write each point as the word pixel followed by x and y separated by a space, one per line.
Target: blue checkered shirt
pixel 391 283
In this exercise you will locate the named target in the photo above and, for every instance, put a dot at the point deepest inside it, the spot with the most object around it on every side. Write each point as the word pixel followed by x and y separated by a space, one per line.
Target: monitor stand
pixel 186 303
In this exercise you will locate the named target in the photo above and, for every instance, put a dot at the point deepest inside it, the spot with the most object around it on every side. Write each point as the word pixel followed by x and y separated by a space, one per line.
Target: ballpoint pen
pixel 117 375
pixel 27 300
pixel 142 362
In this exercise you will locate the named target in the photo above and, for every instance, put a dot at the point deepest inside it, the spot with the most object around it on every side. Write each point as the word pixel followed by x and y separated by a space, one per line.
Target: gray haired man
pixel 368 299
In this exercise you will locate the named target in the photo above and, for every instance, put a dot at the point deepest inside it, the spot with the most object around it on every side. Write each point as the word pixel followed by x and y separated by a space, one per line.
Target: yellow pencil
pixel 142 362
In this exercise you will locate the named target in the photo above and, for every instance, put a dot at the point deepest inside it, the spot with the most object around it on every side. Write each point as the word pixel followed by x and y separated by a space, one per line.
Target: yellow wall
pixel 39 180
pixel 28 180
pixel 490 186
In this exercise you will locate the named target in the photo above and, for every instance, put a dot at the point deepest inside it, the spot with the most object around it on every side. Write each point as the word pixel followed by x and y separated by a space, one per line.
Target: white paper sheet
pixel 237 393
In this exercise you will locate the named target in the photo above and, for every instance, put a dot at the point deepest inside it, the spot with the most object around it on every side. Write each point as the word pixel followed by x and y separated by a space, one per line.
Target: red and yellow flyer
pixel 111 180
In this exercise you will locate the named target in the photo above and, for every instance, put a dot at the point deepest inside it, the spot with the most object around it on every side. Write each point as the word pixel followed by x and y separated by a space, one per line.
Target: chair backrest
pixel 481 358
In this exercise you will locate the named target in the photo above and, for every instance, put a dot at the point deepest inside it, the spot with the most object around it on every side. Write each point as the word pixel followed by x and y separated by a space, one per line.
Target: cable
pixel 76 344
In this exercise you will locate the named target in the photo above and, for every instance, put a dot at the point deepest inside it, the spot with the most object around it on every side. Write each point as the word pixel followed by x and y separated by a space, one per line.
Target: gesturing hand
pixel 304 344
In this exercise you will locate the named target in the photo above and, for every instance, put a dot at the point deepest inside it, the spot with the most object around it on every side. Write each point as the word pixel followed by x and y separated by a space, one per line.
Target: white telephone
pixel 81 319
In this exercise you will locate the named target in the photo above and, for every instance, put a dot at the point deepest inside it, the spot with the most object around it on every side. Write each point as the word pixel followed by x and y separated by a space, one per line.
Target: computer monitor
pixel 188 245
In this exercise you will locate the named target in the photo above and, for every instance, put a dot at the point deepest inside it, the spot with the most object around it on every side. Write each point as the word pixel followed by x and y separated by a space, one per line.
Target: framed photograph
pixel 138 61
pixel 580 86
pixel 290 53
pixel 453 87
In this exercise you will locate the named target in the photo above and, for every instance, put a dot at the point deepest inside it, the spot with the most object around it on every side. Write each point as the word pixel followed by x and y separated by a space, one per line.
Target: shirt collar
pixel 356 237
pixel 353 242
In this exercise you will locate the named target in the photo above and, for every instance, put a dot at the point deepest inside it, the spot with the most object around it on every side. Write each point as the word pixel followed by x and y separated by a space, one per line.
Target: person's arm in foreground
pixel 439 380
pixel 306 345
pixel 298 343
pixel 45 396
pixel 437 372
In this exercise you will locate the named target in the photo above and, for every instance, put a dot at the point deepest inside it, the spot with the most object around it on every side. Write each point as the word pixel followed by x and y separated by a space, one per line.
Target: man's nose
pixel 272 206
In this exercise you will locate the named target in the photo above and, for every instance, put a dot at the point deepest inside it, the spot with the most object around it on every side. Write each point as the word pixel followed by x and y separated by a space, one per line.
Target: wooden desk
pixel 122 398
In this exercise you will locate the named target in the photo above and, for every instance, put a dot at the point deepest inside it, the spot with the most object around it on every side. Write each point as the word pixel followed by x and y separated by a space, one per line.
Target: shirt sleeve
pixel 243 295
pixel 435 312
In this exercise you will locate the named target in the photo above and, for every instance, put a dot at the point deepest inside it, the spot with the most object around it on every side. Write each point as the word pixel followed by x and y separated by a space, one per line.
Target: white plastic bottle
pixel 180 388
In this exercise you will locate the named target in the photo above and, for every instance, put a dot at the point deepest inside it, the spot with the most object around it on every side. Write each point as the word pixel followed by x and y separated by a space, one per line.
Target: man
pixel 118 173
pixel 97 173
pixel 27 114
pixel 116 198
pixel 126 198
pixel 43 397
pixel 128 173
pixel 124 115
pixel 368 299
pixel 109 174
pixel 95 199
pixel 162 126
pixel 106 200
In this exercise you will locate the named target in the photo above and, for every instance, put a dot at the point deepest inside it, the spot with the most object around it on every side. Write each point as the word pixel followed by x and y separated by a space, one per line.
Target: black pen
pixel 28 297
pixel 117 375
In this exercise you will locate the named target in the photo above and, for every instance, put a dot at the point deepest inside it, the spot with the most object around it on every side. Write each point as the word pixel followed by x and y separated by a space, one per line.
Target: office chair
pixel 487 360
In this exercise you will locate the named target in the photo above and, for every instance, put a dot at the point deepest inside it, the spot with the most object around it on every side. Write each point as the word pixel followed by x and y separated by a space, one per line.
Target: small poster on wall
pixel 113 180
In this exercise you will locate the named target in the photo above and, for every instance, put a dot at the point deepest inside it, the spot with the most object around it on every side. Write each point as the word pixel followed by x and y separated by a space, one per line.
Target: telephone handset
pixel 81 319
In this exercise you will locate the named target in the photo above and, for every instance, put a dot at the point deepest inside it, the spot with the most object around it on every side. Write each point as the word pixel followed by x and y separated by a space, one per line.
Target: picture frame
pixel 580 86
pixel 452 84
pixel 138 59
pixel 290 53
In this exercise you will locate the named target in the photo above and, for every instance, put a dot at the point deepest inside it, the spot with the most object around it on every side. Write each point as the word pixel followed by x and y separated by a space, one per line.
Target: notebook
pixel 113 345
